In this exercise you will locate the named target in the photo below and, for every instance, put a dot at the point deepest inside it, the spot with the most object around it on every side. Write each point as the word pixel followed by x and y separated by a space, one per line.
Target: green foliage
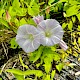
pixel 13 43
pixel 47 77
pixel 23 21
pixel 28 72
pixel 59 66
pixel 30 21
pixel 22 62
pixel 64 25
pixel 16 4
pixel 47 66
pixel 79 27
pixel 15 9
pixel 78 16
pixel 19 77
pixel 0 78
pixel 1 12
pixel 73 10
pixel 15 71
pixel 47 56
pixel 50 1
pixel 79 40
pixel 53 74
pixel 56 56
pixel 3 22
pixel 73 19
pixel 21 12
pixel 35 72
pixel 32 8
pixel 36 55
pixel 70 25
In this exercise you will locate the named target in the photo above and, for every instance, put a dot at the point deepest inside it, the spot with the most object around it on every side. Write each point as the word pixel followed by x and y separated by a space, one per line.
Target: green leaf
pixel 59 66
pixel 30 21
pixel 38 64
pixel 15 71
pixel 11 11
pixel 1 12
pixel 23 21
pixel 79 27
pixel 22 62
pixel 32 2
pixel 70 25
pixel 64 25
pixel 32 9
pixel 19 77
pixel 28 72
pixel 53 74
pixel 47 77
pixel 3 22
pixel 36 55
pixel 22 0
pixel 74 2
pixel 47 15
pixel 56 56
pixel 73 19
pixel 47 67
pixel 53 48
pixel 0 78
pixel 16 4
pixel 35 72
pixel 16 21
pixel 21 11
pixel 13 43
pixel 47 55
pixel 41 3
pixel 50 1
pixel 73 10
pixel 79 40
pixel 78 16
pixel 63 0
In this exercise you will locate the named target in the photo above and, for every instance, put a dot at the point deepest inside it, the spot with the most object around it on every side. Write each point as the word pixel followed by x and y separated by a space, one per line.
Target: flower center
pixel 47 34
pixel 31 37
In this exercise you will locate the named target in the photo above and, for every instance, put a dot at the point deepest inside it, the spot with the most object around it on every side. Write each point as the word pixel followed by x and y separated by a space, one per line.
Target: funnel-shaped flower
pixel 63 45
pixel 28 38
pixel 51 32
pixel 38 19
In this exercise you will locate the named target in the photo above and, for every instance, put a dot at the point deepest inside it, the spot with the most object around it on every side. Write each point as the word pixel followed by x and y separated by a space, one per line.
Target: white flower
pixel 51 32
pixel 38 19
pixel 63 45
pixel 28 38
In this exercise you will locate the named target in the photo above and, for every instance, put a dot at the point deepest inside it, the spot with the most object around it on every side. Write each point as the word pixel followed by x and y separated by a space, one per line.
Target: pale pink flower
pixel 51 32
pixel 28 38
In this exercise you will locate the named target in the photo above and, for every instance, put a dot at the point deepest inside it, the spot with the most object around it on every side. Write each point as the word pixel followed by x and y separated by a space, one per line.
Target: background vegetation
pixel 44 63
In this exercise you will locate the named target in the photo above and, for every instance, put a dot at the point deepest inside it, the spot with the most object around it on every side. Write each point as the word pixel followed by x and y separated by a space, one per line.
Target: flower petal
pixel 20 41
pixel 51 23
pixel 63 45
pixel 55 39
pixel 45 41
pixel 38 19
pixel 31 46
pixel 42 26
pixel 22 30
pixel 32 30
